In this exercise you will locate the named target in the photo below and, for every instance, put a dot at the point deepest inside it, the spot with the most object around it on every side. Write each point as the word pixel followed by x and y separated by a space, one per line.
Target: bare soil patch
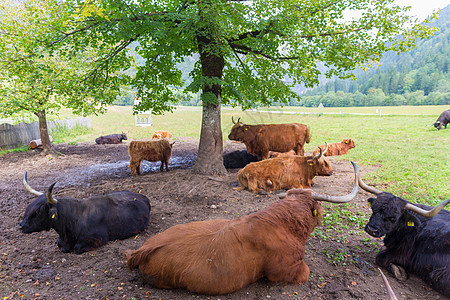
pixel 341 259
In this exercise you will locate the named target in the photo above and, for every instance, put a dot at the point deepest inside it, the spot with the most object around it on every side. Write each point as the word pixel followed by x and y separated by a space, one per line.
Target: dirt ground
pixel 32 266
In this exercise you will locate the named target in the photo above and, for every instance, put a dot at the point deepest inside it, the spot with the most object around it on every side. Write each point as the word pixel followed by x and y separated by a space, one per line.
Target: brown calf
pixel 222 256
pixel 337 148
pixel 161 135
pixel 156 150
pixel 283 172
pixel 273 154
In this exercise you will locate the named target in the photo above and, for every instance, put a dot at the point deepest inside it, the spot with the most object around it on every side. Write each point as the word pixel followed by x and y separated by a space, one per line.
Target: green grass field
pixel 412 158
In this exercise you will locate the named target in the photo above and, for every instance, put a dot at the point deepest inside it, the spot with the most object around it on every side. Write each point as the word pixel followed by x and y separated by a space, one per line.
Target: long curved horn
pixel 317 156
pixel 427 213
pixel 28 187
pixel 388 286
pixel 232 120
pixel 50 199
pixel 326 148
pixel 341 199
pixel 368 188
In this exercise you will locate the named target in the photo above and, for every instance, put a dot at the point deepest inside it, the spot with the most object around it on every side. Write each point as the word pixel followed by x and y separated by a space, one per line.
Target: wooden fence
pixel 13 136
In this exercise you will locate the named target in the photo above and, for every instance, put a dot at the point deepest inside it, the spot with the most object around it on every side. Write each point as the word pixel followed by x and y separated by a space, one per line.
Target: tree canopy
pixel 246 49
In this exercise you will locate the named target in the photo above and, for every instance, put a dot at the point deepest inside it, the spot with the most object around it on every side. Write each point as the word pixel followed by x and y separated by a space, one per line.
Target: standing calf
pixel 222 256
pixel 156 150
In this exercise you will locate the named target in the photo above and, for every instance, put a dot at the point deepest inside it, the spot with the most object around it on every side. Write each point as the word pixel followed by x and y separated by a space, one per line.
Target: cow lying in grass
pixel 337 148
pixel 156 150
pixel 222 256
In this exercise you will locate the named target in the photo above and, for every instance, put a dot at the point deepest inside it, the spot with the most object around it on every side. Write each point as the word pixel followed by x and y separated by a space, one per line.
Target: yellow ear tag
pixel 346 142
pixel 53 216
pixel 246 129
pixel 310 164
pixel 315 213
pixel 410 223
pixel 370 205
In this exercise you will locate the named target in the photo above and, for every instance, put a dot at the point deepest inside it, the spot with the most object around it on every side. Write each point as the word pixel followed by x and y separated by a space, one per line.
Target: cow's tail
pixel 136 257
pixel 308 135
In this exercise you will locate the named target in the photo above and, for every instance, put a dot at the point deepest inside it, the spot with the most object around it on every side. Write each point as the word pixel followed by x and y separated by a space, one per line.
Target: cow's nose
pixel 371 230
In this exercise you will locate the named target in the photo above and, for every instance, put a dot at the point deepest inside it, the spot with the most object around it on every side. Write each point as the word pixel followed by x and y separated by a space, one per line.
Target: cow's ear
pixel 412 221
pixel 53 213
pixel 370 201
pixel 310 162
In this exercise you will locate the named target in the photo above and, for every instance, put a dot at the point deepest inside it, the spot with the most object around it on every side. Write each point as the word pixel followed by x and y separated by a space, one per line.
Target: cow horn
pixel 50 198
pixel 232 120
pixel 388 286
pixel 427 213
pixel 368 188
pixel 28 187
pixel 317 156
pixel 341 199
pixel 326 148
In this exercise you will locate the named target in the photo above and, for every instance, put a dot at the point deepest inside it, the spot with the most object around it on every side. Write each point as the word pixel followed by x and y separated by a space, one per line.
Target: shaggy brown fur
pixel 337 148
pixel 273 154
pixel 156 150
pixel 283 173
pixel 259 139
pixel 221 256
pixel 161 135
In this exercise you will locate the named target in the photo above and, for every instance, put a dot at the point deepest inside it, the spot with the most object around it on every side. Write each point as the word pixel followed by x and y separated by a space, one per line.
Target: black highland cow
pixel 238 159
pixel 443 120
pixel 111 139
pixel 86 224
pixel 417 238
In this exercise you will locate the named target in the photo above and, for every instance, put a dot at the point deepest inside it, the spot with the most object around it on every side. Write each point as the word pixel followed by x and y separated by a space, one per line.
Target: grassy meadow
pixel 412 159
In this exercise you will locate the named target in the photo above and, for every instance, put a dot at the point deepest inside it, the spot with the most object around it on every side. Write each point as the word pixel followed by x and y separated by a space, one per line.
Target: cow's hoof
pixel 399 272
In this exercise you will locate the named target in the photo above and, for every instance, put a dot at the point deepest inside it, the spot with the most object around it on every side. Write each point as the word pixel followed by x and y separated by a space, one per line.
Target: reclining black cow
pixel 111 139
pixel 417 238
pixel 443 120
pixel 238 159
pixel 83 225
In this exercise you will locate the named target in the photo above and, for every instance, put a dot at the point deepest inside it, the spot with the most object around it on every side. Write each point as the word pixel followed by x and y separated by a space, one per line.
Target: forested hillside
pixel 418 77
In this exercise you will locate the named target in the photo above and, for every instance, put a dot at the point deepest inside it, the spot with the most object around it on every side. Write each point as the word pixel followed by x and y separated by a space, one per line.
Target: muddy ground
pixel 341 259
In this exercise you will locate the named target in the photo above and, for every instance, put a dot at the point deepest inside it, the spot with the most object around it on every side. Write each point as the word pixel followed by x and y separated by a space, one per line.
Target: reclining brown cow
pixel 337 148
pixel 284 172
pixel 222 256
pixel 161 135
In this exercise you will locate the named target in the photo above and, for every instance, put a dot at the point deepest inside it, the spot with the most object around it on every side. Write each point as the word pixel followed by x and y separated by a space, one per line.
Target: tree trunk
pixel 45 138
pixel 210 150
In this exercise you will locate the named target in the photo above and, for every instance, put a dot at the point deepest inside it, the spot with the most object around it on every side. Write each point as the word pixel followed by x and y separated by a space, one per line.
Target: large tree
pixel 248 52
pixel 37 81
